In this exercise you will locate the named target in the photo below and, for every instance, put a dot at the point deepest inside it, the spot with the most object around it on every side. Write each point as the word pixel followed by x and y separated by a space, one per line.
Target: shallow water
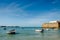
pixel 29 34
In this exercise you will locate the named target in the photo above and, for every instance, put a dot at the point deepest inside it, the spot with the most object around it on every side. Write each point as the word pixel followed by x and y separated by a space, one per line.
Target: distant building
pixel 51 24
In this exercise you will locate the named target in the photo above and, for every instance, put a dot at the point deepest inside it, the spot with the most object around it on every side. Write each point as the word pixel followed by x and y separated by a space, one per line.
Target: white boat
pixel 42 30
pixel 47 29
pixel 38 30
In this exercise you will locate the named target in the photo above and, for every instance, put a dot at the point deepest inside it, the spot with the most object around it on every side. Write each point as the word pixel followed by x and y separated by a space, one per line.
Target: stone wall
pixel 51 25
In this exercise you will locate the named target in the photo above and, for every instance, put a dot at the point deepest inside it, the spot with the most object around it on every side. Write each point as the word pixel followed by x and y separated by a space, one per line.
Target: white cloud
pixel 13 9
pixel 26 6
pixel 38 20
pixel 55 1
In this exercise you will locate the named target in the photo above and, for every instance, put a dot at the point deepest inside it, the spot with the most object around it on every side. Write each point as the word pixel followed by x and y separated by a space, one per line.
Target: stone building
pixel 51 24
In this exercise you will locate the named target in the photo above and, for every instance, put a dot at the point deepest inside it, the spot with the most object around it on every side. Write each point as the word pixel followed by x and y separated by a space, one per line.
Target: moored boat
pixel 12 32
pixel 37 30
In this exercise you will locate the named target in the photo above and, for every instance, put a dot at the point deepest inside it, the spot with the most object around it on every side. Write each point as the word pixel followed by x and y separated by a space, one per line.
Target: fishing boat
pixel 12 32
pixel 47 29
pixel 37 30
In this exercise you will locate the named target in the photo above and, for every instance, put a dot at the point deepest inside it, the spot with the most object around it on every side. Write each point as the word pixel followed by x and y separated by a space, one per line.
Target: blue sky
pixel 28 12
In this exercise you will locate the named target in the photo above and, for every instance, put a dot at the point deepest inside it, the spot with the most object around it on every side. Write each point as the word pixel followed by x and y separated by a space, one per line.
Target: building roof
pixel 54 21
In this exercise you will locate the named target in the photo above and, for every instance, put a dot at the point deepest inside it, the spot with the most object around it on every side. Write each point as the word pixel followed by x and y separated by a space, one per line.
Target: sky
pixel 28 12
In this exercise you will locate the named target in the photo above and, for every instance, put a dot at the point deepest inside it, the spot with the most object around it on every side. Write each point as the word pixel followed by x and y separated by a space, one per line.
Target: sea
pixel 29 33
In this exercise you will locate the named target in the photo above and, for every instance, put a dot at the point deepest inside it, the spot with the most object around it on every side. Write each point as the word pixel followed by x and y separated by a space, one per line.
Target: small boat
pixel 38 30
pixel 12 32
pixel 47 29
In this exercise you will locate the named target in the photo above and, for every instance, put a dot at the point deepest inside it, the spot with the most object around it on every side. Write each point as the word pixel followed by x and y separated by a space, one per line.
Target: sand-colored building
pixel 51 24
